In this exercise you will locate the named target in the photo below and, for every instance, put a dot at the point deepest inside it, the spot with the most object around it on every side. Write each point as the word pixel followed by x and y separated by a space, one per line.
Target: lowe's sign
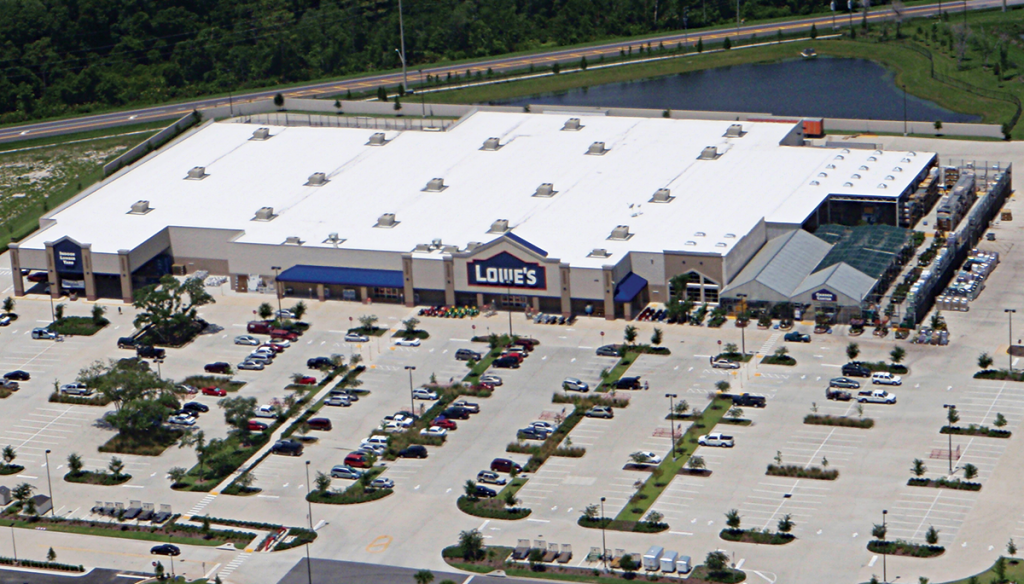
pixel 507 271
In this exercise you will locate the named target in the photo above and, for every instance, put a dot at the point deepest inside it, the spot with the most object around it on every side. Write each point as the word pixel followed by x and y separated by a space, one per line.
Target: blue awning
pixel 629 287
pixel 342 276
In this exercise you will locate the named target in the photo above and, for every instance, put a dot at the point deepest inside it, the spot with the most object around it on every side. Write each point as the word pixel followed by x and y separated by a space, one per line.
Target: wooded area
pixel 74 56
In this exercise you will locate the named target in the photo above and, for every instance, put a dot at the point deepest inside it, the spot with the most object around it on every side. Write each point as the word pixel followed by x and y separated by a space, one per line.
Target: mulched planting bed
pixel 493 508
pixel 621 525
pixel 829 420
pixel 89 477
pixel 94 400
pixel 975 430
pixel 905 548
pixel 956 484
pixel 792 470
pixel 755 536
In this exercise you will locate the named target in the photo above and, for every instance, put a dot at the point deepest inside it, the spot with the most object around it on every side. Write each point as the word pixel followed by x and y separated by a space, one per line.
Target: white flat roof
pixel 716 202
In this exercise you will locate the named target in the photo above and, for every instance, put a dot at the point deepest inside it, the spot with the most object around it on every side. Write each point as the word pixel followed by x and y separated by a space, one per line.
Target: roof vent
pixel 846 150
pixel 839 157
pixel 435 185
pixel 499 226
pixel 334 240
pixel 730 236
pixel 847 184
pixel 572 125
pixel 830 166
pixel 691 243
pixel 317 179
pixel 264 214
pixel 546 190
pixel 597 149
pixel 720 244
pixel 905 160
pixel 872 159
pixel 422 247
pixel 735 131
pixel 386 221
pixel 700 234
pixel 598 253
pixel 261 134
pixel 491 144
pixel 815 183
pixel 911 153
pixel 377 139
pixel 878 151
pixel 863 168
pixel 855 176
pixel 620 233
pixel 435 243
pixel 662 196
pixel 709 153
pixel 197 173
pixel 473 245
pixel 293 240
pixel 822 174
pixel 889 177
pixel 883 186
pixel 897 169
pixel 140 208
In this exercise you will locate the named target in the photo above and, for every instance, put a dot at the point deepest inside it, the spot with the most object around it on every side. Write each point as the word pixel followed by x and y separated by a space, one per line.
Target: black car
pixel 195 407
pixel 456 413
pixel 531 434
pixel 319 363
pixel 18 375
pixel 506 363
pixel 485 492
pixel 289 447
pixel 147 352
pixel 165 549
pixel 628 383
pixel 467 355
pixel 218 367
pixel 413 451
pixel 856 370
pixel 126 343
pixel 608 351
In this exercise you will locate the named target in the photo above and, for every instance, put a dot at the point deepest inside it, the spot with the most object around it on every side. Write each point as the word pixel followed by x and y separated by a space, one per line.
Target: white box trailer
pixel 668 562
pixel 683 564
pixel 652 559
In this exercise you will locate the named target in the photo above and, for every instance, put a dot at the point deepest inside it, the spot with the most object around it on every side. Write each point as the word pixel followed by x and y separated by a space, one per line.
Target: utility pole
pixel 49 485
pixel 884 575
pixel 671 424
pixel 309 505
pixel 1009 350
pixel 412 406
pixel 950 407
pixel 277 286
pixel 401 33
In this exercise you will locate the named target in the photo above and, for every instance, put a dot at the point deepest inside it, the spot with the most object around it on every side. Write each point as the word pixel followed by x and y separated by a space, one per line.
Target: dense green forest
pixel 67 56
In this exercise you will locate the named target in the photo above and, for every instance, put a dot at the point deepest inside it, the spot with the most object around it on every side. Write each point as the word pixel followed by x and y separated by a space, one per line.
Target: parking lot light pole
pixel 671 422
pixel 277 285
pixel 309 504
pixel 950 407
pixel 743 329
pixel 884 575
pixel 49 485
pixel 412 406
pixel 604 546
pixel 1009 355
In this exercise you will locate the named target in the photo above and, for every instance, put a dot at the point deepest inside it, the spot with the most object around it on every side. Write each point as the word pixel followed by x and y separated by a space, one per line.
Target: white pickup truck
pixel 877 396
pixel 716 439
pixel 265 412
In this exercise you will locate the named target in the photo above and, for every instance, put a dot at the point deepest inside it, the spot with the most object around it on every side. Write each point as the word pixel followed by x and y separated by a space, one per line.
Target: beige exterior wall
pixel 428 274
pixel 651 267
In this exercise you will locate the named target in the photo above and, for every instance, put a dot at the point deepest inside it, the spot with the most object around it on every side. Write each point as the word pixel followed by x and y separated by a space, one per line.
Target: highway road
pixel 499 64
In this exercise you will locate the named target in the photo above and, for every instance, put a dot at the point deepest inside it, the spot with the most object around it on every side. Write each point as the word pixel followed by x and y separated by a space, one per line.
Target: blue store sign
pixel 823 295
pixel 68 257
pixel 506 271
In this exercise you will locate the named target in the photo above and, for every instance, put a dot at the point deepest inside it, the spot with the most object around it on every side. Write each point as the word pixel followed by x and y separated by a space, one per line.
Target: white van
pixel 885 378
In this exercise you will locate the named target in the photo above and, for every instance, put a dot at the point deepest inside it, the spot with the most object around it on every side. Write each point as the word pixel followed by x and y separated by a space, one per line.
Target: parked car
pixel 506 363
pixel 443 422
pixel 288 446
pixel 356 338
pixel 435 431
pixel 526 343
pixel 797 337
pixel 467 355
pixel 423 393
pixel 345 472
pixel 186 389
pixel 214 391
pixel 600 412
pixel 382 483
pixel 468 406
pixel 407 342
pixel 649 457
pixel 257 426
pixel 75 388
pixel 306 380
pixel 519 357
pixel 885 378
pixel 837 394
pixel 338 400
pixel 181 420
pixel 260 358
pixel 504 465
pixel 716 439
pixel 455 413
pixel 877 396
pixel 272 347
pixel 856 370
pixel 17 375
pixel 345 393
pixel 126 343
pixel 491 379
pixel 357 460
pixel 247 340
pixel 413 451
pixel 747 400
pixel 724 364
pixel 283 334
pixel 218 367
pixel 249 365
pixel 844 383
pixel 195 407
pixel 10 385
pixel 531 433
pixel 44 334
pixel 265 412
pixel 491 477
pixel 485 492
pixel 546 426
pixel 574 384
pixel 628 383
pixel 608 351
pixel 323 424
pixel 284 313
pixel 148 352
pixel 279 344
pixel 38 277
pixel 165 549
pixel 258 327
pixel 319 363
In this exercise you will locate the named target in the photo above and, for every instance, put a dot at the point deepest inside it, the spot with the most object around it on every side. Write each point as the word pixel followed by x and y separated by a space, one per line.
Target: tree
pixel 639 457
pixel 8 305
pixel 472 544
pixel 654 518
pixel 897 355
pixel 410 325
pixel 1000 421
pixel 735 413
pixel 245 481
pixel 51 555
pixel 727 44
pixel 700 45
pixel 170 305
pixel 322 482
pixel 970 471
pixel 984 361
pixel 938 126
pixel 778 458
pixel 1000 569
pixel 177 475
pixel 583 63
pixel 860 410
pixel 814 31
pixel 22 493
pixel 238 411
pixel 97 313
pixel 398 104
pixel 732 519
pixel 932 535
pixel 470 489
pixel 158 571
pixel 590 512
pixel 781 353
pixel 852 350
pixel 716 561
pixel 878 531
pixel 299 310
pixel 722 386
pixel 115 467
pixel 696 463
pixel 814 407
pixel 278 100
pixel 556 68
pixel 786 523
pixel 423 577
pixel 630 333
pixel 75 464
pixel 265 310
pixel 918 468
pixel 130 385
pixel 1011 548
pixel 368 322
pixel 9 455
pixel 952 416
pixel 628 566
pixel 656 336
pixel 681 407
pixel 510 499
pixel 58 312
pixel 732 349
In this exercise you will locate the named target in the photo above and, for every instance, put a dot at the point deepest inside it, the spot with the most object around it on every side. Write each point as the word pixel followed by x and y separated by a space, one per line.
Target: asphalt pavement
pixel 335 572
pixel 823 23
pixel 97 576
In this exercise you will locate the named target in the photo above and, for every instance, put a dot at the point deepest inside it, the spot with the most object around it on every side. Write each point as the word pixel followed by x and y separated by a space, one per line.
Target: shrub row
pixel 83 326
pixel 792 470
pixel 62 398
pixel 829 420
pixel 90 477
pixel 9 469
pixel 302 537
pixel 622 525
pixel 776 360
pixel 1001 374
pixel 976 430
pixel 350 496
pixel 41 565
pixel 756 536
pixel 905 548
pixel 491 509
pixel 883 366
pixel 955 484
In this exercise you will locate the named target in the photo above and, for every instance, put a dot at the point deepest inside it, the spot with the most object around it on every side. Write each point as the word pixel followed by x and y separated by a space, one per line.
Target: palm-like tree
pixel 75 464
pixel 732 519
pixel 9 455
pixel 472 544
pixel 116 466
pixel 423 577
pixel 470 489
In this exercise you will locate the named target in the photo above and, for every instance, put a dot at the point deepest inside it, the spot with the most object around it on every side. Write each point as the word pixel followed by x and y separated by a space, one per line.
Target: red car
pixel 356 460
pixel 257 426
pixel 215 391
pixel 518 356
pixel 283 334
pixel 38 277
pixel 276 349
pixel 445 423
pixel 488 386
pixel 306 380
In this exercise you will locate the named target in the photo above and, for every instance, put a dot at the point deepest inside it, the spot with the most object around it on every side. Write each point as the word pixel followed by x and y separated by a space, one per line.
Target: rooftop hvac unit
pixel 499 226
pixel 620 233
pixel 293 240
pixel 597 149
pixel 334 240
pixel 449 249
pixel 197 173
pixel 735 131
pixel 708 153
pixel 491 144
pixel 662 196
pixel 261 134
pixel 264 214
pixel 572 125
pixel 422 247
pixel 546 190
pixel 435 185
pixel 317 179
pixel 387 220
pixel 473 245
pixel 140 208
pixel 598 253
pixel 435 243
pixel 377 139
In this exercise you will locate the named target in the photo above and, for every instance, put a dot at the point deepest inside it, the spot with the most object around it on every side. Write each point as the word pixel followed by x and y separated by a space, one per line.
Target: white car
pixel 375 440
pixel 356 338
pixel 382 483
pixel 491 379
pixel 402 423
pixel 247 340
pixel 265 412
pixel 886 378
pixel 250 365
pixel 724 364
pixel 716 439
pixel 422 393
pixel 377 449
pixel 407 343
pixel 337 400
pixel 284 313
pixel 573 384
pixel 75 389
pixel 545 426
pixel 182 420
pixel 434 431
pixel 283 343
pixel 649 457
pixel 5 320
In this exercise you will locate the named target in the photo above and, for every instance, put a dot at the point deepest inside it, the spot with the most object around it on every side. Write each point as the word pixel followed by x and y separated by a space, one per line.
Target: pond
pixel 822 87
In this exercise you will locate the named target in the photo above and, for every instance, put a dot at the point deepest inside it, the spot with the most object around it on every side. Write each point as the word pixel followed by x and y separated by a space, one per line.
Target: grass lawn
pixel 150 444
pixel 113 531
pixel 1014 573
pixel 616 372
pixel 225 383
pixel 82 326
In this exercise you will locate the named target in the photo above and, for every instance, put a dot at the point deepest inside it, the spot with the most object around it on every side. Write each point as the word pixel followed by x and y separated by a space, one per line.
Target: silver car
pixel 250 366
pixel 382 483
pixel 356 338
pixel 257 357
pixel 337 400
pixel 345 472
pixel 247 340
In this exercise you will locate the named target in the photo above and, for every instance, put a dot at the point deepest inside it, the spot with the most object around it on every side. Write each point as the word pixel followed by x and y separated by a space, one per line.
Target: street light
pixel 743 329
pixel 604 545
pixel 671 424
pixel 49 485
pixel 277 286
pixel 412 408
pixel 950 407
pixel 884 575
pixel 309 504
pixel 1009 350
pixel 508 300
pixel 159 372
